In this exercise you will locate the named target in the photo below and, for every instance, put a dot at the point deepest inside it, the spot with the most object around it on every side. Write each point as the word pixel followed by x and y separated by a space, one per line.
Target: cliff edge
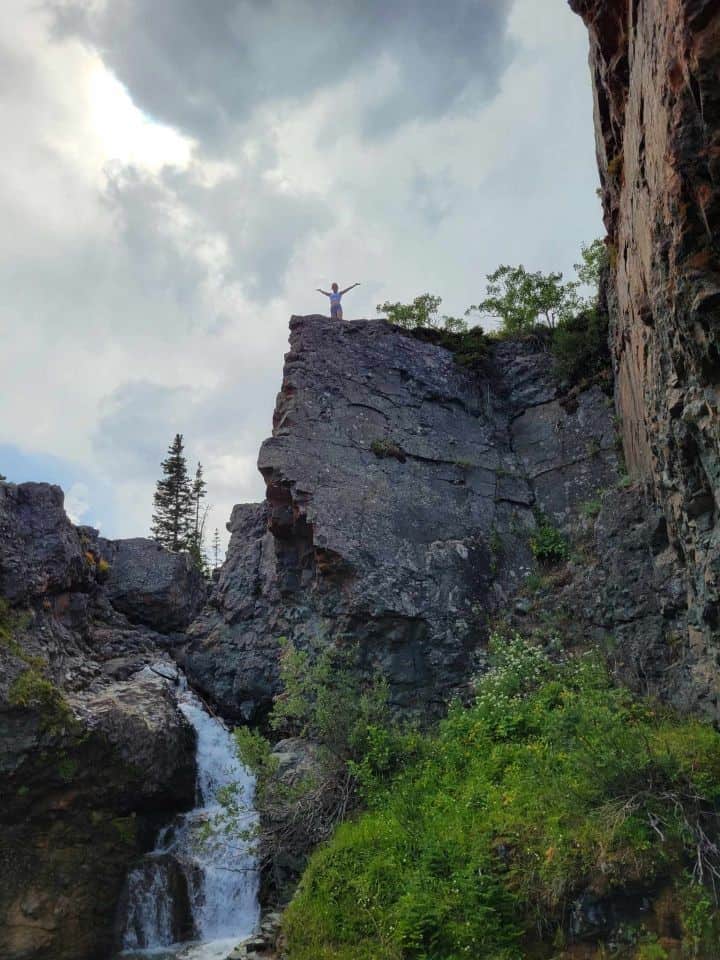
pixel 402 490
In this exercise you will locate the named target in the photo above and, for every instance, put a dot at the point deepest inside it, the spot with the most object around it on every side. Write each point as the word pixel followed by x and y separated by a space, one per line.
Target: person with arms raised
pixel 336 312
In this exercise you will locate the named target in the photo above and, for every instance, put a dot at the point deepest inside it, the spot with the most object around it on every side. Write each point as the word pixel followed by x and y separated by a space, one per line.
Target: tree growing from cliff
pixel 593 261
pixel 521 300
pixel 173 500
pixel 580 343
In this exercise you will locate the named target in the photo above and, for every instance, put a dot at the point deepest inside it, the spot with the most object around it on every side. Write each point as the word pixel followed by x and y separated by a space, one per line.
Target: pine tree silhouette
pixel 216 549
pixel 173 501
pixel 198 517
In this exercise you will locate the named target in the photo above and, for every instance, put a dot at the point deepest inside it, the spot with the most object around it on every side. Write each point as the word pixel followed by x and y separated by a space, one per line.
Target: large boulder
pixel 40 550
pixel 84 779
pixel 152 585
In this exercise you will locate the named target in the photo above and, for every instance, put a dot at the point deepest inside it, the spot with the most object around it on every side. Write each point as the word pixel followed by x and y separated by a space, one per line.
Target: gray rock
pixel 625 594
pixel 40 550
pixel 93 749
pixel 152 585
pixel 567 451
pixel 397 512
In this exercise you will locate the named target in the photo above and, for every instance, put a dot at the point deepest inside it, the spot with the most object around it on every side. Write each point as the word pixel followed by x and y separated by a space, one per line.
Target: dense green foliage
pixel 565 317
pixel 521 300
pixel 347 719
pixel 547 543
pixel 324 700
pixel 470 346
pixel 580 346
pixel 553 782
pixel 580 342
pixel 422 312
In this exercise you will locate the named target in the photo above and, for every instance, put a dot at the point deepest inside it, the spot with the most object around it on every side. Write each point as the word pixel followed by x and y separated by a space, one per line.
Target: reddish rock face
pixel 656 75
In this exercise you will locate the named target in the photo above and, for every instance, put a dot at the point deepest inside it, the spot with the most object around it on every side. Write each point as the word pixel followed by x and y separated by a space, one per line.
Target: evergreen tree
pixel 216 549
pixel 198 519
pixel 173 501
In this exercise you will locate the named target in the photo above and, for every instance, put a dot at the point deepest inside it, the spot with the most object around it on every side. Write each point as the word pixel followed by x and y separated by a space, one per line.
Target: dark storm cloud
pixel 204 66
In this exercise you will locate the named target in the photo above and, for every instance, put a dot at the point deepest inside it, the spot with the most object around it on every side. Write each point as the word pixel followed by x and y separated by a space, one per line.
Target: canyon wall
pixel 655 67
pixel 402 492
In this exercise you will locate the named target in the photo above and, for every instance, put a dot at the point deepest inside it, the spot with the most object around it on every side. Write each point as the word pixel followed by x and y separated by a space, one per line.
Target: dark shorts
pixel 335 312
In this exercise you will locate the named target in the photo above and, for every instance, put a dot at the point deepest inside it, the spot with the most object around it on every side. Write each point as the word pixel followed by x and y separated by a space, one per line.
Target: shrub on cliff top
pixel 552 783
pixel 421 313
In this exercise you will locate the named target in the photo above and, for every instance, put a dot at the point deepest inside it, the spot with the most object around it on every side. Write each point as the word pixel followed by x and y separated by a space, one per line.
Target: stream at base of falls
pixel 195 895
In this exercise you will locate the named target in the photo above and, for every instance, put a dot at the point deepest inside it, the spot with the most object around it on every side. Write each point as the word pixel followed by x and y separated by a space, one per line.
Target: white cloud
pixel 148 268
pixel 76 502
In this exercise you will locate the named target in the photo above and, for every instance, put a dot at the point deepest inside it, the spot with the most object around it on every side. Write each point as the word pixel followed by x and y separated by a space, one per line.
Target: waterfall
pixel 195 895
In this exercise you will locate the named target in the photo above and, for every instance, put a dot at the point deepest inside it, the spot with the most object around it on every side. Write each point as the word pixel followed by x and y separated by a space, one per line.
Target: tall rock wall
pixel 401 493
pixel 656 73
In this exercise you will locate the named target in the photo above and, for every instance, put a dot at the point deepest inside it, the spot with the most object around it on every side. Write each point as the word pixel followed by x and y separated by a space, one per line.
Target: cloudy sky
pixel 177 176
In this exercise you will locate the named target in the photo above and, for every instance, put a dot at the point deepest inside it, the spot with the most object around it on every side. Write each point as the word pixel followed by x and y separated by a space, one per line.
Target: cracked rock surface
pixel 655 67
pixel 401 490
pixel 94 751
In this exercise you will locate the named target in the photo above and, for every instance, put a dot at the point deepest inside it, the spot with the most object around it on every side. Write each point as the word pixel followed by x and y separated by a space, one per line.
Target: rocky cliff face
pixel 656 74
pixel 401 493
pixel 93 748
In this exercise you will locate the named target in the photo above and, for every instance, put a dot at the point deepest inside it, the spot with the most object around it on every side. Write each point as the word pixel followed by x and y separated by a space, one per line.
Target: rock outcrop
pixel 402 490
pixel 656 75
pixel 93 748
pixel 151 585
pixel 622 592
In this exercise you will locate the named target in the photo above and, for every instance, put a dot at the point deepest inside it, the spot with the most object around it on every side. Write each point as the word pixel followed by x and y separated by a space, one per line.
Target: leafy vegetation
pixel 31 688
pixel 421 318
pixel 591 508
pixel 423 313
pixel 547 543
pixel 520 300
pixel 324 700
pixel 564 319
pixel 477 838
pixel 349 722
pixel 8 625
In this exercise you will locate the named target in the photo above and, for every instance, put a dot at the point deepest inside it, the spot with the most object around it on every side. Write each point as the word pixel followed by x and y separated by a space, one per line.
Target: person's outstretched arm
pixel 350 287
pixel 322 291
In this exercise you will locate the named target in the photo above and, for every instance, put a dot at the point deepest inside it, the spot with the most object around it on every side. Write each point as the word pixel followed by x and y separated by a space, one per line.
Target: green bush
pixel 422 313
pixel 552 783
pixel 580 345
pixel 548 545
pixel 325 700
pixel 10 621
pixel 591 508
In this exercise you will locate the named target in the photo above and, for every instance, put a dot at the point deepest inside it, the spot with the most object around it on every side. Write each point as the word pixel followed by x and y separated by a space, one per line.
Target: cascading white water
pixel 201 865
